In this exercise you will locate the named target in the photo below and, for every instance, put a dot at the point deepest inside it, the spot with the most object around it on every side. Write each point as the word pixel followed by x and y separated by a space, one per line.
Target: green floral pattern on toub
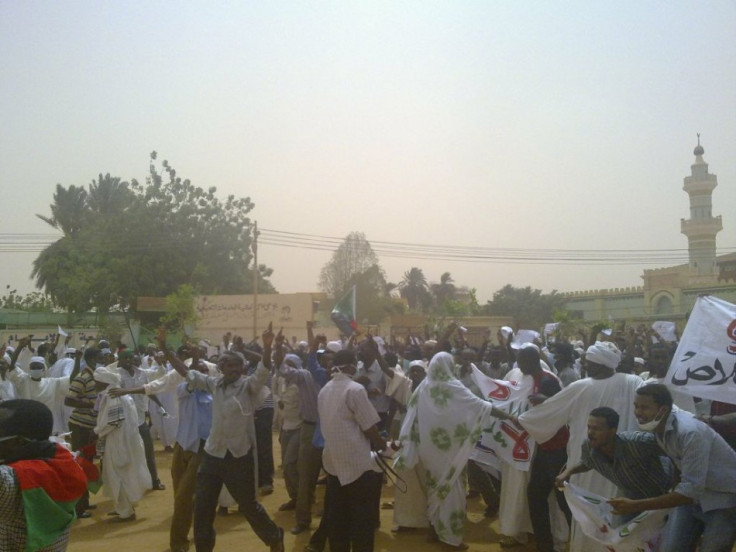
pixel 462 433
pixel 413 400
pixel 457 522
pixel 440 396
pixel 440 438
pixel 443 491
pixel 442 424
pixel 451 473
pixel 430 479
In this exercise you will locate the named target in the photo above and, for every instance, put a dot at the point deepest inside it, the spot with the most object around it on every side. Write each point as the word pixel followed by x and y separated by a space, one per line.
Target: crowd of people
pixel 366 413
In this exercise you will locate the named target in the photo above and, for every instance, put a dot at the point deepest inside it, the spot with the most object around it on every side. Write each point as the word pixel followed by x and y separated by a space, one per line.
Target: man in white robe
pixel 603 387
pixel 124 471
pixel 49 391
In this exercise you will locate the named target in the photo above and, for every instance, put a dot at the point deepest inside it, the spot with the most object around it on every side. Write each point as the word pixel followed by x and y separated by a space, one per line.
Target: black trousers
pixel 144 430
pixel 545 467
pixel 264 444
pixel 237 475
pixel 351 528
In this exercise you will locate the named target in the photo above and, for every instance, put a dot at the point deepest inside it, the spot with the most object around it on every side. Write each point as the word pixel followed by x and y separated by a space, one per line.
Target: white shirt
pixel 345 413
pixel 233 406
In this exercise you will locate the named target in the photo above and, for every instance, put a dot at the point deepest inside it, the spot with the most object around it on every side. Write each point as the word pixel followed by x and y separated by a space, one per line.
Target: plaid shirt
pixel 12 518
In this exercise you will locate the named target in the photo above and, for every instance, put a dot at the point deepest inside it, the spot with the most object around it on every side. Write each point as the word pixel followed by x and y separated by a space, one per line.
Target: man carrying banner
pixel 631 460
pixel 705 498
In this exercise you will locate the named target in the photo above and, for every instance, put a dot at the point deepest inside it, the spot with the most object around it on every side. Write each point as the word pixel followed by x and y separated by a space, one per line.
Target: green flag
pixel 343 314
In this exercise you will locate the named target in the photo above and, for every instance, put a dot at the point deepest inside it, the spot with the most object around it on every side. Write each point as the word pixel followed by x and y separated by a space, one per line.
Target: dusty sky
pixel 532 125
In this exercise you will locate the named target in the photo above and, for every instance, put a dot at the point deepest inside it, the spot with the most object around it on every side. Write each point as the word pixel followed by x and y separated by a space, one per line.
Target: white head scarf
pixel 605 353
pixel 38 360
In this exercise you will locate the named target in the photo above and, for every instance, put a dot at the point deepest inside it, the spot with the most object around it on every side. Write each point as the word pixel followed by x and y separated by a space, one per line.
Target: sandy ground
pixel 150 531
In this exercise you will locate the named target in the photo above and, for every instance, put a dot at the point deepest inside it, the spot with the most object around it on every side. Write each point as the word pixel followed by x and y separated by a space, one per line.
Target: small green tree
pixel 181 314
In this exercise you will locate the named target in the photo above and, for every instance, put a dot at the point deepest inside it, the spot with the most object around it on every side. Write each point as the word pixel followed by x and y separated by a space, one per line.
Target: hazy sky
pixel 539 125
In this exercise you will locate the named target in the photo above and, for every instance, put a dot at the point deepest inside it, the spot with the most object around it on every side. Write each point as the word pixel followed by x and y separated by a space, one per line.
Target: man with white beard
pixel 602 387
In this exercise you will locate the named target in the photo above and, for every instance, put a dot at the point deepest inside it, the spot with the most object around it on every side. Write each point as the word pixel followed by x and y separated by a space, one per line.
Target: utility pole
pixel 255 280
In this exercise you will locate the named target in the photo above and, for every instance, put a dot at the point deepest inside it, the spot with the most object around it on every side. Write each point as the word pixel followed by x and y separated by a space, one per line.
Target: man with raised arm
pixel 228 457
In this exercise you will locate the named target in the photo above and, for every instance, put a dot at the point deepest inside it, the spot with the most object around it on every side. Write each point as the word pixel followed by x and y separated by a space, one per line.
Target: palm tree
pixel 108 195
pixel 68 210
pixel 445 290
pixel 414 287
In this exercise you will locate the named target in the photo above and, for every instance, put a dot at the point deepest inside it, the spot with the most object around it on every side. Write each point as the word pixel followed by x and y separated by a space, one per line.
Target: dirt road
pixel 150 531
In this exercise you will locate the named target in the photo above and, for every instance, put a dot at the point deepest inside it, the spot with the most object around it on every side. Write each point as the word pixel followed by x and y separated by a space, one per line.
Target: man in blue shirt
pixel 705 498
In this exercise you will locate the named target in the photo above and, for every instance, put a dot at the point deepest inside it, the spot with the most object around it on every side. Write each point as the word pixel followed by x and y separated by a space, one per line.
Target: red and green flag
pixel 50 488
pixel 343 314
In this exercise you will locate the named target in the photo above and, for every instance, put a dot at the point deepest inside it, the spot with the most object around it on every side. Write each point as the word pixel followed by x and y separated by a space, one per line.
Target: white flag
pixel 596 519
pixel 705 361
pixel 666 330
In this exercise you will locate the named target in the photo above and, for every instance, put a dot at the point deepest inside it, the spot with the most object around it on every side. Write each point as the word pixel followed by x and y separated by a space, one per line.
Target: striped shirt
pixel 83 388
pixel 639 467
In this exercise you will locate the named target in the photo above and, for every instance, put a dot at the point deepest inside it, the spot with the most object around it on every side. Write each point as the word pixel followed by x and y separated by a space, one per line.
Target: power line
pixel 34 243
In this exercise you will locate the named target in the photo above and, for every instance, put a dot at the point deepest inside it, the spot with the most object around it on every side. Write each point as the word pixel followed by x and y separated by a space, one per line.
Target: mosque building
pixel 670 293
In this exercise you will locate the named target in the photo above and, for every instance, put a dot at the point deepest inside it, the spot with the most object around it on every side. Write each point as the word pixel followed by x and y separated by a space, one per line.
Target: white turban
pixel 334 346
pixel 38 360
pixel 105 375
pixel 605 353
pixel 417 363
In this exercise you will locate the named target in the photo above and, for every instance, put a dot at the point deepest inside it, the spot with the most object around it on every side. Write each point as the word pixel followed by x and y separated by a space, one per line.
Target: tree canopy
pixel 530 308
pixel 123 240
pixel 352 257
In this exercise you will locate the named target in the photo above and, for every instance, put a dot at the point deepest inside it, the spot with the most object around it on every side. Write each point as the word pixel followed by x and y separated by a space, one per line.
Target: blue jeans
pixel 716 528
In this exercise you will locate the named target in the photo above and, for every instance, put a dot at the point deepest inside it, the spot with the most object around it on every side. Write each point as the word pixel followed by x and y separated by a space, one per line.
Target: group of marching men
pixel 600 416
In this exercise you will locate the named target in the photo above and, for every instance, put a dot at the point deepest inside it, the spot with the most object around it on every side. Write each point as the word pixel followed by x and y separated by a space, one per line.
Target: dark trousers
pixel 81 437
pixel 237 474
pixel 264 445
pixel 350 529
pixel 487 485
pixel 319 537
pixel 545 467
pixel 145 432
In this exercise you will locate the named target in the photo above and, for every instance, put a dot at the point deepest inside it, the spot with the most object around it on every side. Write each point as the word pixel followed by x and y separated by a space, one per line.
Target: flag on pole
pixel 343 314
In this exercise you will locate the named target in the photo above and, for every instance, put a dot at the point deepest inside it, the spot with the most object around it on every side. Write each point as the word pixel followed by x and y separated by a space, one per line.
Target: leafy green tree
pixel 353 256
pixel 530 308
pixel 121 241
pixel 180 309
pixel 32 302
pixel 373 304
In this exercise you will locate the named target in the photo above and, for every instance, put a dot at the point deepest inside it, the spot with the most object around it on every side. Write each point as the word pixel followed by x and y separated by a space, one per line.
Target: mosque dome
pixel 698 149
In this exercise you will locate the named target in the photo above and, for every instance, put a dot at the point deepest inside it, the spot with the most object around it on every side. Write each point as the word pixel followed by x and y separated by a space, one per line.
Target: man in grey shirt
pixel 229 450
pixel 705 498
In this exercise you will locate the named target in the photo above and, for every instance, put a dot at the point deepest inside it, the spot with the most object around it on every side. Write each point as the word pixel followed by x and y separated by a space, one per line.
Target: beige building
pixel 670 293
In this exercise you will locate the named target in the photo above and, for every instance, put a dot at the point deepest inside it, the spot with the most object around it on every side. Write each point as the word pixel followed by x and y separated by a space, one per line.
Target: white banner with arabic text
pixel 596 519
pixel 502 441
pixel 705 361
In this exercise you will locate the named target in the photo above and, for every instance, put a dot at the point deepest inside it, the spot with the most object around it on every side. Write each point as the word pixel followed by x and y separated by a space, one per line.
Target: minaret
pixel 701 228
